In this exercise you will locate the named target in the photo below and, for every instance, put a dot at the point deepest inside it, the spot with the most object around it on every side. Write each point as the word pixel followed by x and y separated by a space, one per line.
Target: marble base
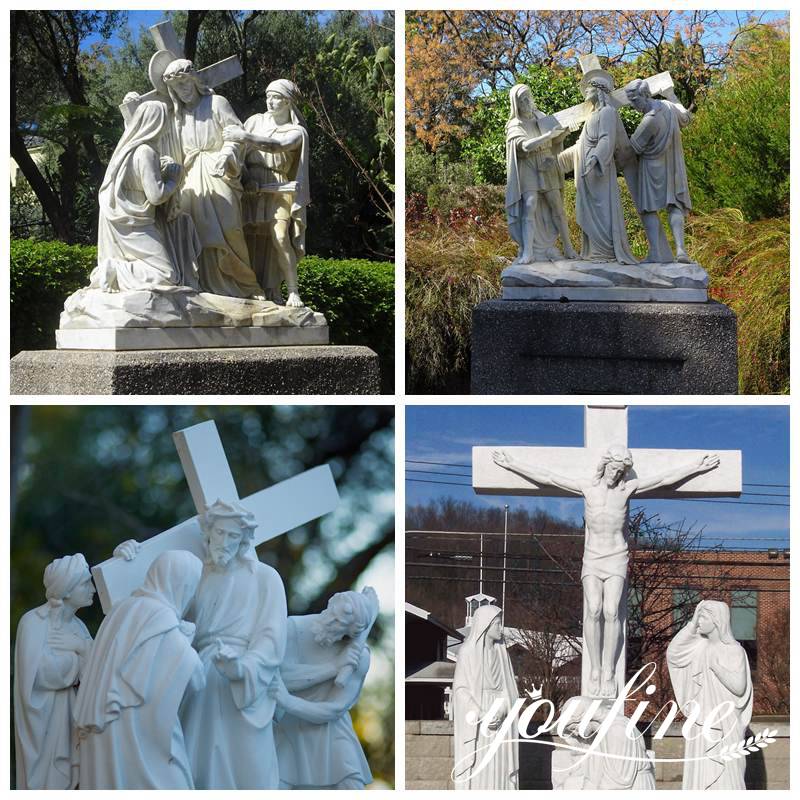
pixel 541 347
pixel 334 369
pixel 605 281
pixel 188 338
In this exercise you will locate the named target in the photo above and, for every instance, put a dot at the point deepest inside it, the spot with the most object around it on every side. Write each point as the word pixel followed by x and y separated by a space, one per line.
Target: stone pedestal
pixel 330 369
pixel 541 347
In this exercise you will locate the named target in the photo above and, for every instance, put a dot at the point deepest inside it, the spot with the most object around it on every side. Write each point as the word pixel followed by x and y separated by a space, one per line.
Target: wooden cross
pixel 169 49
pixel 605 426
pixel 277 509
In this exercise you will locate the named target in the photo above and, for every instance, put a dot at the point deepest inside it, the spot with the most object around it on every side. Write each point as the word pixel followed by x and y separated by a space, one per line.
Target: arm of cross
pixel 277 510
pixel 575 115
pixel 214 75
pixel 489 478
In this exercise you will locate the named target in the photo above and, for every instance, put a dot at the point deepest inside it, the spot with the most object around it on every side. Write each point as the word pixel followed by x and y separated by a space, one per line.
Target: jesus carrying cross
pixel 607 496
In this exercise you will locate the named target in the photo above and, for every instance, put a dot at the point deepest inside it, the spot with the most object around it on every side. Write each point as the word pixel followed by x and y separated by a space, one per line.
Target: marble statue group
pixel 196 678
pixel 708 668
pixel 652 162
pixel 202 218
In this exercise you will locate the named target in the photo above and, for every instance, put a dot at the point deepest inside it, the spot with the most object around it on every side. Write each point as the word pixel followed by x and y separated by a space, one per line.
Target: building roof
pixel 428 617
pixel 436 672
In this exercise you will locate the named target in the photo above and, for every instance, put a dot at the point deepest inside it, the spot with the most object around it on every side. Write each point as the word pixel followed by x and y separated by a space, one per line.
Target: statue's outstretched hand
pixel 234 133
pixel 502 459
pixel 709 461
pixel 128 550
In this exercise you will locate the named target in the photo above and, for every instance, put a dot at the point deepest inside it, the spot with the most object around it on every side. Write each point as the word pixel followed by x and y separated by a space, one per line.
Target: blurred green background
pixel 84 479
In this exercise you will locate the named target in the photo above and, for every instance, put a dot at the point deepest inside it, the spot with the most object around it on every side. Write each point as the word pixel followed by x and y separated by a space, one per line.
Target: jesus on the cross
pixel 607 496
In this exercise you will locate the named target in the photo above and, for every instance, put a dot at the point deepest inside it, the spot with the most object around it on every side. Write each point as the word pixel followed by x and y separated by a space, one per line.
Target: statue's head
pixel 638 94
pixel 522 103
pixel 229 529
pixel 182 81
pixel 347 614
pixel 714 620
pixel 597 90
pixel 67 581
pixel 283 98
pixel 616 461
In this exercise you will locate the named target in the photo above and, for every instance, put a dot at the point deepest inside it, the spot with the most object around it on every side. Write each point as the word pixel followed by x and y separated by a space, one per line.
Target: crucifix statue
pixel 276 510
pixel 607 475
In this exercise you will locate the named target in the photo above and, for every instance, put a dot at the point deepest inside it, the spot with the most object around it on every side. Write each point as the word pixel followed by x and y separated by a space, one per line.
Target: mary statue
pixel 709 667
pixel 484 674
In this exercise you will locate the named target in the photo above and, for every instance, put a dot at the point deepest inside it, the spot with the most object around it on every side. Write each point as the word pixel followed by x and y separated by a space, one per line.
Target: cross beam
pixel 277 509
pixel 167 43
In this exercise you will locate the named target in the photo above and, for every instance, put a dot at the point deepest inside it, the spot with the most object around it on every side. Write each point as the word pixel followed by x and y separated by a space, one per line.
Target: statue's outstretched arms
pixel 705 464
pixel 538 475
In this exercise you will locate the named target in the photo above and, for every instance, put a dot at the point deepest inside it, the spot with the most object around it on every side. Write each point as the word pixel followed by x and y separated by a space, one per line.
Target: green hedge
pixel 356 296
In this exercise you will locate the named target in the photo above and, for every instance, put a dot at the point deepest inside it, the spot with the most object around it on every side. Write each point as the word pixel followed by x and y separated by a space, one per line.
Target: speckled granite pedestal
pixel 550 347
pixel 326 369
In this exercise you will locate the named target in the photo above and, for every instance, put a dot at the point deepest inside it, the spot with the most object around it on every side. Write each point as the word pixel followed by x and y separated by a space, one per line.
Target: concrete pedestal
pixel 541 347
pixel 330 369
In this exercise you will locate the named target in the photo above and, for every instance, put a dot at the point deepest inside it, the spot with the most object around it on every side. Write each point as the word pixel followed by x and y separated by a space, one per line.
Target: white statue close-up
pixel 708 667
pixel 483 675
pixel 52 647
pixel 141 665
pixel 322 675
pixel 180 244
pixel 181 688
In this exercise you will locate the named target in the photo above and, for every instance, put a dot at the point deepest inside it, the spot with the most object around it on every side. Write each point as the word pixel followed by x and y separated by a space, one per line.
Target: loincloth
pixel 605 565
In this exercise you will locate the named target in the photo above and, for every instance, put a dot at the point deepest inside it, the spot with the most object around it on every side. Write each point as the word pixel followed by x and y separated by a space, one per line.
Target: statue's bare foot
pixel 294 301
pixel 257 297
pixel 609 685
pixel 682 257
pixel 571 253
pixel 594 683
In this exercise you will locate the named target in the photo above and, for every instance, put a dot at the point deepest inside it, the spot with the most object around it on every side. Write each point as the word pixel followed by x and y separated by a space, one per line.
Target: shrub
pixel 356 296
pixel 737 147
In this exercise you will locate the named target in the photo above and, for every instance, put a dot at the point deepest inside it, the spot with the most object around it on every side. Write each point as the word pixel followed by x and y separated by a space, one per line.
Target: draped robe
pixel 44 695
pixel 213 202
pixel 317 746
pixel 694 680
pixel 228 726
pixel 483 673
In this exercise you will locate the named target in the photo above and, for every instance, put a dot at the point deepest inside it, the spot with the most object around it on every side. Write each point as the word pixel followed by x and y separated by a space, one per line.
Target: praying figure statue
pixel 534 182
pixel 484 675
pixel 708 668
pixel 276 189
pixel 598 207
pixel 661 180
pixel 51 650
pixel 607 495
pixel 141 665
pixel 211 191
pixel 327 660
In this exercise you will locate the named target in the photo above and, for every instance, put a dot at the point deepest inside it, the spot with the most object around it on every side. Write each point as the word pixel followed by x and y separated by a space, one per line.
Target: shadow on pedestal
pixel 546 347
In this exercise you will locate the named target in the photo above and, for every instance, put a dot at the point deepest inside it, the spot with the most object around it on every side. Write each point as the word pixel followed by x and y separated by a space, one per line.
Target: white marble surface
pixel 187 338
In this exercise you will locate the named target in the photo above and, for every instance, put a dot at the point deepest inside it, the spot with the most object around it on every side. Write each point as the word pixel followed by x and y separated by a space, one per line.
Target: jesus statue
pixel 607 498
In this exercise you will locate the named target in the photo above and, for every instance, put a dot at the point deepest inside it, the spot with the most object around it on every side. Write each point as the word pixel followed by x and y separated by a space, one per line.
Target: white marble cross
pixel 605 426
pixel 167 42
pixel 277 509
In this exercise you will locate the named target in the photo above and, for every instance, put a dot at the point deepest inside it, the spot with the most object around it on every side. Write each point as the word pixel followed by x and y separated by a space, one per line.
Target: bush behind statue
pixel 356 296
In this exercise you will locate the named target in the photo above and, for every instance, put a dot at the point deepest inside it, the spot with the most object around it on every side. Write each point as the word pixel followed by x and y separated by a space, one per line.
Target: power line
pixel 416 532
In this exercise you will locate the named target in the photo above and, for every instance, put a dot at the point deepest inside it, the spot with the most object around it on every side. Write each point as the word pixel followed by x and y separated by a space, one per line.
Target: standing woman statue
pixel 534 183
pixel 598 208
pixel 51 648
pixel 276 189
pixel 483 675
pixel 708 668
pixel 211 192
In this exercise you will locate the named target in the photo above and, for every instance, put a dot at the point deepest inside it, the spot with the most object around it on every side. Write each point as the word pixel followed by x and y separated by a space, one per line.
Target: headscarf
pixel 146 127
pixel 289 90
pixel 721 615
pixel 63 575
pixel 172 579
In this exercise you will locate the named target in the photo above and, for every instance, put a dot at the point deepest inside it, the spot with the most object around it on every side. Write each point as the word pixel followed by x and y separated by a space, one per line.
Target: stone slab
pixel 541 347
pixel 334 369
pixel 621 294
pixel 187 338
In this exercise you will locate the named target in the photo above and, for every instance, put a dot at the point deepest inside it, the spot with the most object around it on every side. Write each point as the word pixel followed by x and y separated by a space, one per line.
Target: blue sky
pixel 447 434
